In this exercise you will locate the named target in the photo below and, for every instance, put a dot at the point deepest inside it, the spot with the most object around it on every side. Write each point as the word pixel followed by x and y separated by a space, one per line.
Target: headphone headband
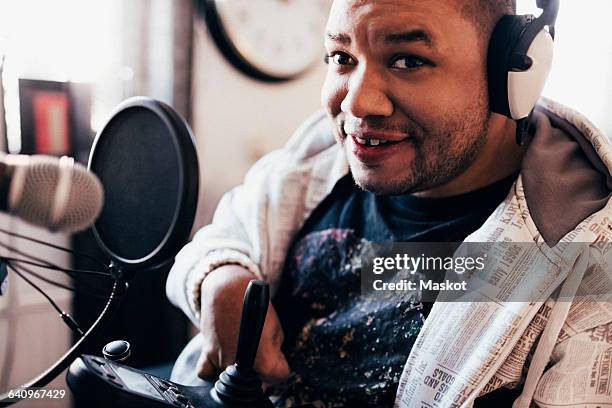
pixel 519 60
pixel 550 10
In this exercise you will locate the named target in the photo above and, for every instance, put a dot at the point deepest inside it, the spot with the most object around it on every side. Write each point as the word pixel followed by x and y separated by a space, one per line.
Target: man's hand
pixel 221 309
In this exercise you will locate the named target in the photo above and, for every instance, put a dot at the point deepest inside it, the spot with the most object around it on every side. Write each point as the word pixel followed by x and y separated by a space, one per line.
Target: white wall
pixel 236 119
pixel 581 75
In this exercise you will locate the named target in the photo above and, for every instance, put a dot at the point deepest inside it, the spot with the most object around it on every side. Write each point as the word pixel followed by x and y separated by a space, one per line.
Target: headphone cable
pixel 66 318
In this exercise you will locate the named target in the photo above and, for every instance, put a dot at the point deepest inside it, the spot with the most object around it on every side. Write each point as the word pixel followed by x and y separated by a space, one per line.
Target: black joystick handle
pixel 254 310
pixel 239 385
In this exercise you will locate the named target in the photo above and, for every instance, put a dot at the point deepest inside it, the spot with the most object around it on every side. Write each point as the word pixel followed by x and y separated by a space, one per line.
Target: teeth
pixel 371 142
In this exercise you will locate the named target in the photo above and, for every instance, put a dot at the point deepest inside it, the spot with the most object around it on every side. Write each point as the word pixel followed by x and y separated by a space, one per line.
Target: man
pixel 409 151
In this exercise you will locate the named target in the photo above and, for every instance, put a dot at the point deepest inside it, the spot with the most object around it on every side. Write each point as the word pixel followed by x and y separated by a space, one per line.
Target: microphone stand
pixel 114 300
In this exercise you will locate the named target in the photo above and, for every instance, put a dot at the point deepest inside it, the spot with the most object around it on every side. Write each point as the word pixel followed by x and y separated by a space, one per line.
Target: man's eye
pixel 340 58
pixel 408 62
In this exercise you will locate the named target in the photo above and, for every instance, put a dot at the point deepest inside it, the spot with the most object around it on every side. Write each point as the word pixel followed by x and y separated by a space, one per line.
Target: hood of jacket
pixel 566 170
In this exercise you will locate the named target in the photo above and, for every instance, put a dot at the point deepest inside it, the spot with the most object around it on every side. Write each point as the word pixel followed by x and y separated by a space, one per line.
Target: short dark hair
pixel 484 14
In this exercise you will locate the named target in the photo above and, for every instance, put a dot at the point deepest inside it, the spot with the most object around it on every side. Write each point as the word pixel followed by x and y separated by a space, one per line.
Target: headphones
pixel 519 60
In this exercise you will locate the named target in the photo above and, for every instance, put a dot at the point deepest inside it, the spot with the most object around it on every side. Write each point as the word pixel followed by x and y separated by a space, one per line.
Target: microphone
pixel 55 193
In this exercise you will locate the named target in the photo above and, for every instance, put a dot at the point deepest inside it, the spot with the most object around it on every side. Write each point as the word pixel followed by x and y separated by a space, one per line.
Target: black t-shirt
pixel 345 349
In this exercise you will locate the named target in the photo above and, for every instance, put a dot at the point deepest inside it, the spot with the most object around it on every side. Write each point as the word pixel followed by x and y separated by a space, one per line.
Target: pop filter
pixel 146 159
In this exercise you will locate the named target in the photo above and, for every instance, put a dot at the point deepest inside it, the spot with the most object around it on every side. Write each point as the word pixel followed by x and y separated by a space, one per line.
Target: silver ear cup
pixel 525 86
pixel 520 59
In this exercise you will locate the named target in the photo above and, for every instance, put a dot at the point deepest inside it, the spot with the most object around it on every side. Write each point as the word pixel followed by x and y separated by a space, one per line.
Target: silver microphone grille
pixel 54 193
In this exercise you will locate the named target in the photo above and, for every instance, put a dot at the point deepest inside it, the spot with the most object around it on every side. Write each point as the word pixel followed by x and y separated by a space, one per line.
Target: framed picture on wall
pixel 45 117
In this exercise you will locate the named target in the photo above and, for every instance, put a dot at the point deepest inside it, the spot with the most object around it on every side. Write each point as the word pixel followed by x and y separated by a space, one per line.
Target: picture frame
pixel 45 111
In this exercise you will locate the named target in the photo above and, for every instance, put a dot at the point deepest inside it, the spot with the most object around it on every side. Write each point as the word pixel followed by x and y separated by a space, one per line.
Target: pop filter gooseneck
pixel 146 159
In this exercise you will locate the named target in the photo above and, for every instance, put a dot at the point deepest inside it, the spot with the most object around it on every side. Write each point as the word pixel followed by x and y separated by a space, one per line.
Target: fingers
pixel 273 368
pixel 220 330
pixel 270 362
pixel 207 369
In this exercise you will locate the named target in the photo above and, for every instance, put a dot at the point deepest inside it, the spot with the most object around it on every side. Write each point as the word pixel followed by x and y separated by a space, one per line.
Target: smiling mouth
pixel 376 137
pixel 377 142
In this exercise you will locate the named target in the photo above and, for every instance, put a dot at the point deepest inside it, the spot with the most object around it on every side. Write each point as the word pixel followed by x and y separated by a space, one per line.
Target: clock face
pixel 270 39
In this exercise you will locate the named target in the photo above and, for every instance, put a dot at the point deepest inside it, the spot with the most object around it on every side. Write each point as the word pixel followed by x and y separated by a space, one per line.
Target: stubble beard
pixel 441 155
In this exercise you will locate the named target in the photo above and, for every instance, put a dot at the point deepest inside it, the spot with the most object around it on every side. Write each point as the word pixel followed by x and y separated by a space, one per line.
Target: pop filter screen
pixel 145 158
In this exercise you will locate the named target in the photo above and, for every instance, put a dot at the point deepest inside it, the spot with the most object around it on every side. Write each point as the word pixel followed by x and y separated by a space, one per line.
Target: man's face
pixel 407 77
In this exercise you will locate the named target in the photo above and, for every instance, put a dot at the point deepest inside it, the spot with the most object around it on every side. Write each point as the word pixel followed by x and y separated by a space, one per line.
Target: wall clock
pixel 270 40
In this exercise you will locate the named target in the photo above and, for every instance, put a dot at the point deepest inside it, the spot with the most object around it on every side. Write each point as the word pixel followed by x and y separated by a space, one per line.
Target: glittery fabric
pixel 344 349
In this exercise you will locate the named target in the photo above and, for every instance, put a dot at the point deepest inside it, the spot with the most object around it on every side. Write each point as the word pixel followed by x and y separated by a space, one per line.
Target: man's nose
pixel 366 96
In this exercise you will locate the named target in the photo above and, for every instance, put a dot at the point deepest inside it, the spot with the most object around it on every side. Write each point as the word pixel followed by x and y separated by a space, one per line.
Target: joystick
pixel 104 382
pixel 239 385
